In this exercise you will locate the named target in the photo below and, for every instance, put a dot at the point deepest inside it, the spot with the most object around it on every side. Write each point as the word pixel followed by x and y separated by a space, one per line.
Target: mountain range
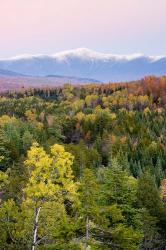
pixel 85 63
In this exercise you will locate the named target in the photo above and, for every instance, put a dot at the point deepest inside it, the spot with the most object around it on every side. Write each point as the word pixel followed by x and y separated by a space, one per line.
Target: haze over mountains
pixel 87 64
pixel 4 72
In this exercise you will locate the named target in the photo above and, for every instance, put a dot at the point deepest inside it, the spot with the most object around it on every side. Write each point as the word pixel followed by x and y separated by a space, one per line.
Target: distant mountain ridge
pixel 4 72
pixel 17 82
pixel 73 78
pixel 85 63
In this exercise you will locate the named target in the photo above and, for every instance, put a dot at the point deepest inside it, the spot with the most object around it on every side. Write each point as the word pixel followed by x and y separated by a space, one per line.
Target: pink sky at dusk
pixel 115 26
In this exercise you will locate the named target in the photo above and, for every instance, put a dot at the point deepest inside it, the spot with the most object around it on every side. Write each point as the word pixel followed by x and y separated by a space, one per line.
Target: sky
pixel 109 26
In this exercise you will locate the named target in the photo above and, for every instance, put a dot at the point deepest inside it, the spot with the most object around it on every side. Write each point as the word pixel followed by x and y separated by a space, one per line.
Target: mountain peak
pixel 84 53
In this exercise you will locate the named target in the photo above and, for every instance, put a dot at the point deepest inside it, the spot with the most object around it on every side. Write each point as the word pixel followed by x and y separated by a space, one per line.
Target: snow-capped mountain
pixel 87 63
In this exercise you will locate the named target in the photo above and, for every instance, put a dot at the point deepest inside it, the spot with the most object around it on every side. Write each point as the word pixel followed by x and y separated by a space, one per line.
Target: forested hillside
pixel 84 167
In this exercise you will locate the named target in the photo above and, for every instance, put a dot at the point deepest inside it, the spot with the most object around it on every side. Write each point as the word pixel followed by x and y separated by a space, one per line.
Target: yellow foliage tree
pixel 50 182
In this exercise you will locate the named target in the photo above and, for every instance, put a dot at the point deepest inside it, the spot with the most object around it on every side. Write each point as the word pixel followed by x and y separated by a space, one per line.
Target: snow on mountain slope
pixel 87 63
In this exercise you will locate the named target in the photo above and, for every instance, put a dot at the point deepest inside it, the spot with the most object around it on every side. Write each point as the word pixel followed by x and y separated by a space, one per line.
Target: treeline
pixel 84 167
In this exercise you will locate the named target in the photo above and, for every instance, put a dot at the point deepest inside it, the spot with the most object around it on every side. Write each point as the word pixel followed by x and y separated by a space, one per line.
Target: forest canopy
pixel 84 167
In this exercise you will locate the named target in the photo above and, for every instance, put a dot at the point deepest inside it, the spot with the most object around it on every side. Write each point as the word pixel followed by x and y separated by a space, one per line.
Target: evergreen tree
pixel 89 194
pixel 158 172
pixel 148 194
pixel 119 193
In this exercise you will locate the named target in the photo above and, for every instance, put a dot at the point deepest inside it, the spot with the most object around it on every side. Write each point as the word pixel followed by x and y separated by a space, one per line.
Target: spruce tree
pixel 89 197
pixel 148 194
